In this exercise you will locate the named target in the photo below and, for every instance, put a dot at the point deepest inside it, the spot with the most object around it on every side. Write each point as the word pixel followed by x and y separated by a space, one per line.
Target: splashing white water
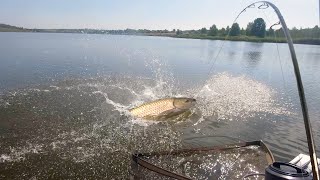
pixel 230 96
pixel 19 153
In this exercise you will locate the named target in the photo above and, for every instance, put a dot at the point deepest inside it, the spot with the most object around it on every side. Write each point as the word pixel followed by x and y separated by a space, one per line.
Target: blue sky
pixel 149 14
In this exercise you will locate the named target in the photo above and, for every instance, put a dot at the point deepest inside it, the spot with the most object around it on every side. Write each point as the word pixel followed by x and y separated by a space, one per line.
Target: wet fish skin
pixel 163 109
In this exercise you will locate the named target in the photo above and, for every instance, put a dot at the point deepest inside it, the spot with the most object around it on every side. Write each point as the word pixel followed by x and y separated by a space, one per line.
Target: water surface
pixel 65 98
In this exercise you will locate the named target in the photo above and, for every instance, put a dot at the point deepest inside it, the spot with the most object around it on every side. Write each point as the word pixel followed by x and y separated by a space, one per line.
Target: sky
pixel 150 14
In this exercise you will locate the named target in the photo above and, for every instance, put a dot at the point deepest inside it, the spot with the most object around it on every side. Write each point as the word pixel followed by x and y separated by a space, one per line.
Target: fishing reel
pixel 286 171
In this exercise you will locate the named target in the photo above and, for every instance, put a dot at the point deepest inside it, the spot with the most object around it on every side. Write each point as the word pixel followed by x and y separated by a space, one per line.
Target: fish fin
pixel 175 110
pixel 172 114
pixel 151 117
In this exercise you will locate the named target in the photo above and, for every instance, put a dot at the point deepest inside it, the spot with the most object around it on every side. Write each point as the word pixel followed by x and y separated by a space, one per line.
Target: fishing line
pixel 277 46
pixel 222 45
pixel 214 61
pixel 217 55
pixel 278 54
pixel 263 6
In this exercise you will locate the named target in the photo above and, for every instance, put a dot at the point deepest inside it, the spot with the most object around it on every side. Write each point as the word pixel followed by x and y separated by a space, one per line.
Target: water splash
pixel 87 121
pixel 17 154
pixel 239 97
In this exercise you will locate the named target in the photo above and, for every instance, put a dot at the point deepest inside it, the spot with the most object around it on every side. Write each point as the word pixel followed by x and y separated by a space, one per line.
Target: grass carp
pixel 163 109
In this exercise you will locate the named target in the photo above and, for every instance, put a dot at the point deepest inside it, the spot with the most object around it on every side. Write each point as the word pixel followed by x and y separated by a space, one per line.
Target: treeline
pixel 257 29
pixel 9 28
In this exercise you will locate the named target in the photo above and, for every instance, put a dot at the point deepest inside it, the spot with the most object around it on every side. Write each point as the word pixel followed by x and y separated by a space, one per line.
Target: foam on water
pixel 17 154
pixel 229 97
pixel 118 107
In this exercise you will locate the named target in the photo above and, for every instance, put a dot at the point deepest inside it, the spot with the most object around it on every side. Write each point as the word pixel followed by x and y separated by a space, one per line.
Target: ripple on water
pixel 82 128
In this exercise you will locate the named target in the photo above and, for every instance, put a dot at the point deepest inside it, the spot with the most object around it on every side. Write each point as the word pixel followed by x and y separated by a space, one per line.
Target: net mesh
pixel 233 162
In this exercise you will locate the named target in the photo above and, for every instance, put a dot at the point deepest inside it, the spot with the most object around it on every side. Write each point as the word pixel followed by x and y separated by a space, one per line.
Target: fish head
pixel 184 103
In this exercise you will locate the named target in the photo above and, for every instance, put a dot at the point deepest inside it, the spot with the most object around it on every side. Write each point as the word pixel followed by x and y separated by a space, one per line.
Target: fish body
pixel 162 109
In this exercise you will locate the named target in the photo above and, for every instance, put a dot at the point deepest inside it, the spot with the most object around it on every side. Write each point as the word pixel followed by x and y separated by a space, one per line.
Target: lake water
pixel 64 99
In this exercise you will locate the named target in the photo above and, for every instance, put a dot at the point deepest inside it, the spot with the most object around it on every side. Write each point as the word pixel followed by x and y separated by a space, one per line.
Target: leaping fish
pixel 163 109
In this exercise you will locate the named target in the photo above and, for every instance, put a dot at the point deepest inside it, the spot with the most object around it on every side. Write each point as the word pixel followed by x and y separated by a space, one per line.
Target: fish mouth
pixel 193 103
pixel 192 100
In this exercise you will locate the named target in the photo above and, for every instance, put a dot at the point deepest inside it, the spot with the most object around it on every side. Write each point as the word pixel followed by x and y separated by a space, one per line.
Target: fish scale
pixel 154 108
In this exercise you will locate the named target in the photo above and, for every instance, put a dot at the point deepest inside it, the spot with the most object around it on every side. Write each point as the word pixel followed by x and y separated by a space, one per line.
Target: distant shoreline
pixel 309 41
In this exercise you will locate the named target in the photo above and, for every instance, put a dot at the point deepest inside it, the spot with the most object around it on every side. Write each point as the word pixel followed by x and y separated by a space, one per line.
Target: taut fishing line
pixel 277 46
pixel 214 60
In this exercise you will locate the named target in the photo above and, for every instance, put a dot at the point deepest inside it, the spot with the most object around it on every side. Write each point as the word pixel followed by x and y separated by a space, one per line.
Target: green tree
pixel 178 32
pixel 294 32
pixel 316 32
pixel 227 30
pixel 213 31
pixel 258 28
pixel 279 33
pixel 203 30
pixel 248 29
pixel 194 31
pixel 242 31
pixel 235 29
pixel 222 32
pixel 270 32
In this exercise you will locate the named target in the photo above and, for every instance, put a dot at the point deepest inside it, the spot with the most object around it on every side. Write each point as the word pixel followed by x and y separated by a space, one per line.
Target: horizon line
pixel 142 28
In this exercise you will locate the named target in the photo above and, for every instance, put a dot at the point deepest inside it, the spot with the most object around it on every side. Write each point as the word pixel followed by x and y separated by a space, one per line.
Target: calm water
pixel 64 99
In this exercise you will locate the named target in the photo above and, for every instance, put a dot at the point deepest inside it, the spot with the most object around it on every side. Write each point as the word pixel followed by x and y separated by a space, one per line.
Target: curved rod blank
pixel 311 146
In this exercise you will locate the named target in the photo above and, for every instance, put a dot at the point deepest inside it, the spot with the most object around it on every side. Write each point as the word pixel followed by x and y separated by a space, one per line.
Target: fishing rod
pixel 304 108
pixel 303 102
